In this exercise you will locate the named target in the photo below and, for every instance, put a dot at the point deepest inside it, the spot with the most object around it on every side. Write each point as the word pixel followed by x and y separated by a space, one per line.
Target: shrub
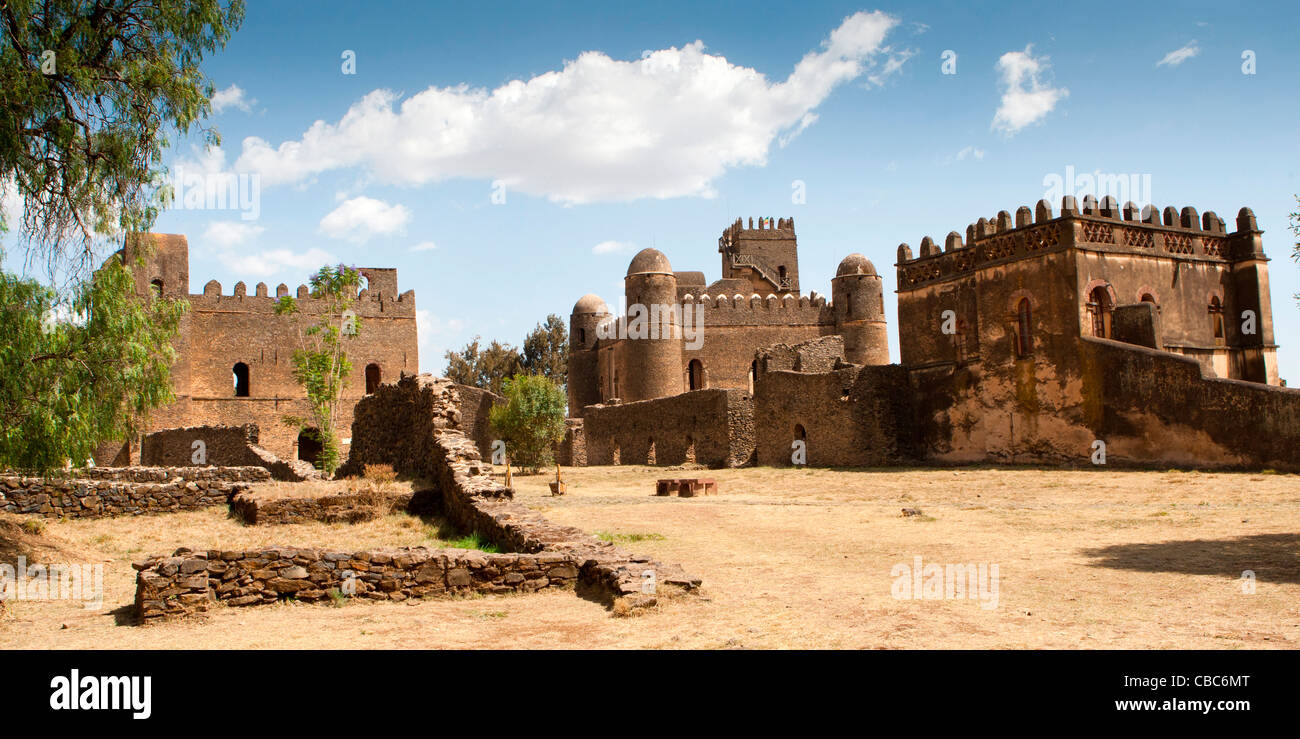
pixel 531 420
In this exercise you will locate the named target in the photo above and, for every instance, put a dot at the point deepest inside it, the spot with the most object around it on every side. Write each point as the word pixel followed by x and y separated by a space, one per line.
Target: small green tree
pixel 80 372
pixel 320 363
pixel 531 420
pixel 546 350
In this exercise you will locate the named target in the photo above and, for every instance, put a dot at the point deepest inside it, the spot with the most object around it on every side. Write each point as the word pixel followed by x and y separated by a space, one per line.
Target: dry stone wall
pixel 224 446
pixel 127 491
pixel 191 581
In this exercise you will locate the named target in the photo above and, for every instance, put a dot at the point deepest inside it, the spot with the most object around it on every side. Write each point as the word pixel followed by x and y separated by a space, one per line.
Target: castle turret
pixel 654 337
pixel 857 296
pixel 583 380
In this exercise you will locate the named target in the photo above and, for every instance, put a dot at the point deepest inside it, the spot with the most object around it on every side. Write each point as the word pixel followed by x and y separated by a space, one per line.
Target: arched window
pixel 781 272
pixel 309 446
pixel 695 374
pixel 157 286
pixel 1216 320
pixel 800 433
pixel 753 375
pixel 1099 308
pixel 240 371
pixel 374 376
pixel 582 337
pixel 1148 298
pixel 1024 327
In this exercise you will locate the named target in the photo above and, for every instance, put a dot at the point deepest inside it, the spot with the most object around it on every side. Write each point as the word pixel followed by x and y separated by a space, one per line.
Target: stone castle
pixel 1099 334
pixel 235 355
pixel 755 304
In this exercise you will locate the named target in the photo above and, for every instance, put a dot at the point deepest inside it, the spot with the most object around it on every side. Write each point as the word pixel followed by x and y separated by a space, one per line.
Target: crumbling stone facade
pixel 235 360
pixel 219 446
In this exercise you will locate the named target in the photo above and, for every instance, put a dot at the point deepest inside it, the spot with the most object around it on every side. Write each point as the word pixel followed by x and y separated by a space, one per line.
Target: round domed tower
pixel 584 374
pixel 653 349
pixel 857 296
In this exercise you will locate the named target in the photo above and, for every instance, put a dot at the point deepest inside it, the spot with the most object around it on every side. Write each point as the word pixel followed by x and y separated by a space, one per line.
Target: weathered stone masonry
pixel 126 491
pixel 190 581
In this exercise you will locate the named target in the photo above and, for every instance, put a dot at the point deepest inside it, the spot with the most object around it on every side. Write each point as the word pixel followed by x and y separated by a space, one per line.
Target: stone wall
pixel 853 416
pixel 191 581
pixel 106 492
pixel 223 446
pixel 474 404
pixel 259 508
pixel 709 427
pixel 413 426
pixel 572 450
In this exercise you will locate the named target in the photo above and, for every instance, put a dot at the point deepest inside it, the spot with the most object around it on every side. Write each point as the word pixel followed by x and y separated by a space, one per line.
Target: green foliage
pixel 486 368
pixel 531 420
pixel 82 131
pixel 77 373
pixel 546 350
pixel 320 363
pixel 1295 229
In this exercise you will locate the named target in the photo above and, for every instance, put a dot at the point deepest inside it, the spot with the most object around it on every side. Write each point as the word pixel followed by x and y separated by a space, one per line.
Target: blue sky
pixel 607 125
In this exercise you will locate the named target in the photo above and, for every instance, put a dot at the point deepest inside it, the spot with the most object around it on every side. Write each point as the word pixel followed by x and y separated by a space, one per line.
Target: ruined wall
pixel 817 355
pixel 129 491
pixel 850 417
pixel 191 581
pixel 474 405
pixel 223 446
pixel 710 427
pixel 572 450
pixel 413 426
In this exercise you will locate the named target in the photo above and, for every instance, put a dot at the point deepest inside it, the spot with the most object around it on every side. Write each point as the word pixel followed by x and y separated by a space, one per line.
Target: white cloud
pixel 232 97
pixel 276 261
pixel 1180 55
pixel 424 246
pixel 1026 98
pixel 226 234
pixel 613 247
pixel 891 66
pixel 598 129
pixel 361 218
pixel 970 152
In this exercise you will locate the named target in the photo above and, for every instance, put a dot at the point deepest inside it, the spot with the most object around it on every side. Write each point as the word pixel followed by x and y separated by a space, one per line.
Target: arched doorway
pixel 309 446
pixel 1099 309
pixel 374 376
pixel 1216 320
pixel 240 372
pixel 695 375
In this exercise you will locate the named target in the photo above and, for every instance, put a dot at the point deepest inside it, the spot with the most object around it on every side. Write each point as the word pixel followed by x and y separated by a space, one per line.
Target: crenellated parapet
pixel 779 228
pixel 368 303
pixel 1096 226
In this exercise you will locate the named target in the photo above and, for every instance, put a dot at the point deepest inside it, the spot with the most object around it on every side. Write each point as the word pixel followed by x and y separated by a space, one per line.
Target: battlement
pixel 767 228
pixel 1099 226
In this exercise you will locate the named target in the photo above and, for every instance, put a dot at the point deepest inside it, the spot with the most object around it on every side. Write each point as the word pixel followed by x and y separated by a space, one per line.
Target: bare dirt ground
pixel 790 559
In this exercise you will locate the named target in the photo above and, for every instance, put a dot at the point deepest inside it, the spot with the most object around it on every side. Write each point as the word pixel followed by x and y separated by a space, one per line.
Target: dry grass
pixel 797 558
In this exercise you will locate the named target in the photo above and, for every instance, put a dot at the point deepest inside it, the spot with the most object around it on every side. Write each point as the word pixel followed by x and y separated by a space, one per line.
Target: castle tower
pixel 768 256
pixel 584 390
pixel 857 296
pixel 654 338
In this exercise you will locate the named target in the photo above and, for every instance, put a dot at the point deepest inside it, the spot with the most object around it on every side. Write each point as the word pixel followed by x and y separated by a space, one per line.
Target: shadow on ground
pixel 1272 557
